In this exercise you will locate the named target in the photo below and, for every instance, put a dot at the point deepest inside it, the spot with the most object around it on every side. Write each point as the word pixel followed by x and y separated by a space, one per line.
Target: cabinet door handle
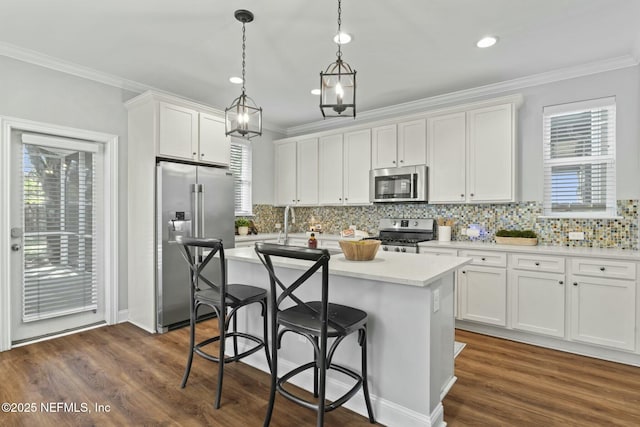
pixel 561 282
pixel 401 161
pixel 340 198
pixel 602 268
pixel 575 283
pixel 464 272
pixel 471 194
pixel 201 154
pixel 537 264
pixel 462 195
pixel 195 154
pixel 346 198
pixel 393 161
pixel 483 259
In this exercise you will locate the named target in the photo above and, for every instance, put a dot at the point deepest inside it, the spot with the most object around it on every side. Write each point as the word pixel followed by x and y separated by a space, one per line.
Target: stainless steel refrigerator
pixel 192 201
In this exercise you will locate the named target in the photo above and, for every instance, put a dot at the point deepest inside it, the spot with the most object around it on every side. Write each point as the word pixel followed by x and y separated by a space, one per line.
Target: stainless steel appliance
pixel 403 235
pixel 405 184
pixel 191 201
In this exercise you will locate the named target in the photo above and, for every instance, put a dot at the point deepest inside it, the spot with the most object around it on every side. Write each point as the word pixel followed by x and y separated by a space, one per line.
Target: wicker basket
pixel 519 241
pixel 359 250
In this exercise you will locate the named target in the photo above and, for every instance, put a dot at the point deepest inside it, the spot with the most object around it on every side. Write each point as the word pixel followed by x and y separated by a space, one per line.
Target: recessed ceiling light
pixel 487 41
pixel 342 38
pixel 315 91
pixel 235 80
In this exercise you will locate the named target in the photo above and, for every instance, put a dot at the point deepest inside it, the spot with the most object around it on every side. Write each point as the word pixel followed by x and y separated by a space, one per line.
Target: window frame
pixel 246 178
pixel 578 162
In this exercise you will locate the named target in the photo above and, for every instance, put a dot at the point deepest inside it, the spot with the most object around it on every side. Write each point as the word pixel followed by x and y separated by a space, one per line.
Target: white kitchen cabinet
pixel 447 137
pixel 472 155
pixel 490 154
pixel 356 166
pixel 483 294
pixel 187 134
pixel 482 287
pixel 537 302
pixel 402 144
pixel 603 310
pixel 345 161
pixel 214 146
pixel 331 161
pixel 296 172
pixel 285 173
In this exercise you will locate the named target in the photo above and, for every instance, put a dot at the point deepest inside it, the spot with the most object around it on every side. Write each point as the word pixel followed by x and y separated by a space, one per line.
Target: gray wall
pixel 263 165
pixel 39 94
pixel 624 84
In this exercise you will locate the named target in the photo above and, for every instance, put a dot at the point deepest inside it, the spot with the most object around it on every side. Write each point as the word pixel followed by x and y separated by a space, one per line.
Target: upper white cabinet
pixel 296 172
pixel 472 155
pixel 402 144
pixel 188 134
pixel 345 160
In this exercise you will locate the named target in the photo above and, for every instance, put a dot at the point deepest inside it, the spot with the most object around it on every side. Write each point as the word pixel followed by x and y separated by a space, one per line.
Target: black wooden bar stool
pixel 317 321
pixel 225 299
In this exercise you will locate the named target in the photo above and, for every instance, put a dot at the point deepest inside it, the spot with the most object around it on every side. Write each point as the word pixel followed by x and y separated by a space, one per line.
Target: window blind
pixel 240 166
pixel 579 159
pixel 60 266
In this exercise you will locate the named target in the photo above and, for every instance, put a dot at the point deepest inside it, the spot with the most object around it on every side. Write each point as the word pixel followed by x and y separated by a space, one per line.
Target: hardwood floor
pixel 500 383
pixel 504 383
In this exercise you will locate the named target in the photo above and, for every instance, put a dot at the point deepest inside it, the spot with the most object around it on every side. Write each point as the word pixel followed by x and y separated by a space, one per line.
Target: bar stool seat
pixel 350 319
pixel 225 299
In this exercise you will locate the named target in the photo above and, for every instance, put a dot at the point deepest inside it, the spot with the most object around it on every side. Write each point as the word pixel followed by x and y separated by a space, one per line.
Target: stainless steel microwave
pixel 405 184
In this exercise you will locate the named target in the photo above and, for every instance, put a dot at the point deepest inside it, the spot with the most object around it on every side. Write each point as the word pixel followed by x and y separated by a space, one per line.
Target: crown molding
pixel 36 58
pixel 424 104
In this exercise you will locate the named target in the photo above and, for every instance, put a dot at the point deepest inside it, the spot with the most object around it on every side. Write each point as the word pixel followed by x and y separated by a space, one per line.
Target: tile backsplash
pixel 621 233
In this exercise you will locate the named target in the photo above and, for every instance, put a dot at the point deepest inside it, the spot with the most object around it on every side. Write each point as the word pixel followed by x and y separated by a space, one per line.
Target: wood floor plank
pixel 500 383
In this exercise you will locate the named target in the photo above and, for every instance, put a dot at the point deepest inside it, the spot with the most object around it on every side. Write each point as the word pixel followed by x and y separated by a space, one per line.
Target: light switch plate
pixel 436 300
pixel 576 235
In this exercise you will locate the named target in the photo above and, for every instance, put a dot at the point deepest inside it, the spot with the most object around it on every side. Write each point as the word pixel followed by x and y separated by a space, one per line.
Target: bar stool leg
pixel 274 374
pixel 265 326
pixel 222 333
pixel 192 341
pixel 235 338
pixel 365 382
pixel 316 369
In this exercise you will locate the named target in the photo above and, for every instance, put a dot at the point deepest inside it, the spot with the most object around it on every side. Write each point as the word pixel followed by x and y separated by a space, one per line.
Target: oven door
pixel 398 184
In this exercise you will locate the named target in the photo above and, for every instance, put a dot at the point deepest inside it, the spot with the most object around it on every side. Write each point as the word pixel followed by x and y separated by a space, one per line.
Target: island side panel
pixel 399 349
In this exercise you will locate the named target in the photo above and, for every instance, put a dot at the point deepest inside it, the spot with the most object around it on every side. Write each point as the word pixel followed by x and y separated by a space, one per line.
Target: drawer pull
pixel 575 283
pixel 464 272
pixel 561 282
pixel 537 264
pixel 601 268
pixel 483 259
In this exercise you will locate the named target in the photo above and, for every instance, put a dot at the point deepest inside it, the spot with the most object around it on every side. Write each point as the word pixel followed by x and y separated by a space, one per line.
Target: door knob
pixel 15 247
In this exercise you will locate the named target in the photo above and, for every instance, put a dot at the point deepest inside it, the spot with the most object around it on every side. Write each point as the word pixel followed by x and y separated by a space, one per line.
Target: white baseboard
pixel 123 316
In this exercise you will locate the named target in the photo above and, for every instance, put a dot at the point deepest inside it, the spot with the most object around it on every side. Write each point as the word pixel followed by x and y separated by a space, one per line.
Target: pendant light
pixel 243 118
pixel 338 84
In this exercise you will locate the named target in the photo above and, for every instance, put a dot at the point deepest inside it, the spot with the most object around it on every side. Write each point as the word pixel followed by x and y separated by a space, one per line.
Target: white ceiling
pixel 403 50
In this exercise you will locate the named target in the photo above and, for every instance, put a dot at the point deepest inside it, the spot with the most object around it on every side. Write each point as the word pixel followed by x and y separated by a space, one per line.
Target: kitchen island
pixel 409 299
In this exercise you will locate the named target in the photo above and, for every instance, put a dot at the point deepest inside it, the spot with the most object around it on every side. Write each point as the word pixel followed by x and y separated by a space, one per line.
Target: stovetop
pixel 405 232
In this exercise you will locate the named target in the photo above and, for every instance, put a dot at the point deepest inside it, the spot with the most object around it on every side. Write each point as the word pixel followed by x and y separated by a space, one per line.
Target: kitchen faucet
pixel 286 222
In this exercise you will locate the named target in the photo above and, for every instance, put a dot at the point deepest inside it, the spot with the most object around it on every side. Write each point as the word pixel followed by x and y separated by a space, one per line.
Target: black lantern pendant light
pixel 338 85
pixel 243 118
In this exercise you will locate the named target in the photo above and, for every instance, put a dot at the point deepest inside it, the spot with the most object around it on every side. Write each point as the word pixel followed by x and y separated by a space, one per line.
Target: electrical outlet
pixel 436 300
pixel 278 226
pixel 472 232
pixel 463 231
pixel 576 235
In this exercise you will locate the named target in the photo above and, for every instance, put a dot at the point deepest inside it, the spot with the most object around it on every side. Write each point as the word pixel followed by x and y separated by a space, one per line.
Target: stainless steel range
pixel 403 235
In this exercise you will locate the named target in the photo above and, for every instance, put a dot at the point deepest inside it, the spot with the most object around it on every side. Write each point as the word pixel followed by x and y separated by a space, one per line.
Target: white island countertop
pixel 398 268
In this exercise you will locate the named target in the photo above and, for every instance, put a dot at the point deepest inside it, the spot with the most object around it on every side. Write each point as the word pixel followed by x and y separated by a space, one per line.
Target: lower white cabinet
pixel 483 294
pixel 537 302
pixel 603 311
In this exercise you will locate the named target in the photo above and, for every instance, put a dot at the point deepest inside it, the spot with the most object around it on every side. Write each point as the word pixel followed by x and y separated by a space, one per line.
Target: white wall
pixel 35 93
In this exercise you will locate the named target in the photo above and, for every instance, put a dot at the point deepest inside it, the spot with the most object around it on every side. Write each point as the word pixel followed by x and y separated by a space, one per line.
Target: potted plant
pixel 242 224
pixel 516 237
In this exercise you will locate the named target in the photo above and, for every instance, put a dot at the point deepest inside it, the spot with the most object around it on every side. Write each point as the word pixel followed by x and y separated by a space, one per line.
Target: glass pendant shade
pixel 243 118
pixel 338 90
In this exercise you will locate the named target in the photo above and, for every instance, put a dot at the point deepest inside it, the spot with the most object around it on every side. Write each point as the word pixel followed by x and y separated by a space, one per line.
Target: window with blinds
pixel 240 166
pixel 59 272
pixel 579 159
